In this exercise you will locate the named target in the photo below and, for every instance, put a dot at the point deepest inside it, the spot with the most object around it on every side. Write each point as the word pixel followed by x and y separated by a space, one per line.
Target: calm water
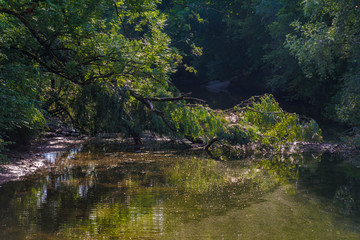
pixel 120 195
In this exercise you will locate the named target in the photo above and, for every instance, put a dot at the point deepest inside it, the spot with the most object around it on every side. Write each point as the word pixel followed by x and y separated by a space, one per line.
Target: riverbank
pixel 25 160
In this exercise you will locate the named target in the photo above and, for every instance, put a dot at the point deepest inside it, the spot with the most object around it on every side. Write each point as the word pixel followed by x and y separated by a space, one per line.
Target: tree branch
pixel 212 141
pixel 182 97
pixel 149 105
pixel 49 68
pixel 35 34
pixel 90 80
pixel 207 8
pixel 147 102
pixel 121 20
pixel 27 24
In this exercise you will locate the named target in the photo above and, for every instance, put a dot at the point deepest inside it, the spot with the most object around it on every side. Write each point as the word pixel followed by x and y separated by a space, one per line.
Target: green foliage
pixel 274 125
pixel 235 135
pixel 97 110
pixel 352 137
pixel 3 149
pixel 79 57
pixel 19 118
pixel 215 28
pixel 105 66
pixel 307 50
pixel 196 121
pixel 347 109
pixel 326 46
pixel 93 57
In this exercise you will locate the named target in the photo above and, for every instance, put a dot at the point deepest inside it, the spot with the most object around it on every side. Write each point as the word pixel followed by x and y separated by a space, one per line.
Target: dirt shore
pixel 24 160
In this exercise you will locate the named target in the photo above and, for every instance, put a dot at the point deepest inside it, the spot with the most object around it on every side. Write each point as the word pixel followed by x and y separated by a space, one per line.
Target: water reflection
pixel 164 196
pixel 52 156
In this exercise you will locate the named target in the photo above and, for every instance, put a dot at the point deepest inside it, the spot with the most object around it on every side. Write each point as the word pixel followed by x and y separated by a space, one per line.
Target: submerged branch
pixel 212 141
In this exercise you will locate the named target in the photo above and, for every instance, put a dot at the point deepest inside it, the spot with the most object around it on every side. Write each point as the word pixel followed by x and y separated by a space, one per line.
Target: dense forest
pixel 306 50
pixel 108 66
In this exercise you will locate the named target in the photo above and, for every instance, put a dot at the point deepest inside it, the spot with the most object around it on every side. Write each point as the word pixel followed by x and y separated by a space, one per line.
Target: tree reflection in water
pixel 125 195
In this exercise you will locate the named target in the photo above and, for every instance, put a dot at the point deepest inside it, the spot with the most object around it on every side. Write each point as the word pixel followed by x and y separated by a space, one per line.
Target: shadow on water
pixel 157 195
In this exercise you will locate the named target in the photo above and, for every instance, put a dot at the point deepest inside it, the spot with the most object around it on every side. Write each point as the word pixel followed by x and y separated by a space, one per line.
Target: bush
pixel 274 125
pixel 20 119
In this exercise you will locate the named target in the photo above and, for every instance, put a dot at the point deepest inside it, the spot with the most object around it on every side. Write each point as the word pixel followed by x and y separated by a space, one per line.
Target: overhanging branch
pixel 182 97
pixel 27 25
pixel 148 103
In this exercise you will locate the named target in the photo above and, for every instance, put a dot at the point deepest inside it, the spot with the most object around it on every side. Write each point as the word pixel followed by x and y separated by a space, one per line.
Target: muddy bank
pixel 325 148
pixel 24 160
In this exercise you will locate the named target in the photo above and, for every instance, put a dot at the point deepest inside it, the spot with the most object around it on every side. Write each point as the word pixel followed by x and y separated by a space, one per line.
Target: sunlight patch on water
pixel 52 156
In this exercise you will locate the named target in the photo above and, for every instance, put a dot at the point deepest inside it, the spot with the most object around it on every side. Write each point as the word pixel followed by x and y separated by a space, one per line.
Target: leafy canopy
pixel 104 66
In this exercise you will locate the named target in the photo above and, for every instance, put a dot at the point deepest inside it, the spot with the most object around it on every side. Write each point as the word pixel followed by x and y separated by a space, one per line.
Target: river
pixel 101 192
